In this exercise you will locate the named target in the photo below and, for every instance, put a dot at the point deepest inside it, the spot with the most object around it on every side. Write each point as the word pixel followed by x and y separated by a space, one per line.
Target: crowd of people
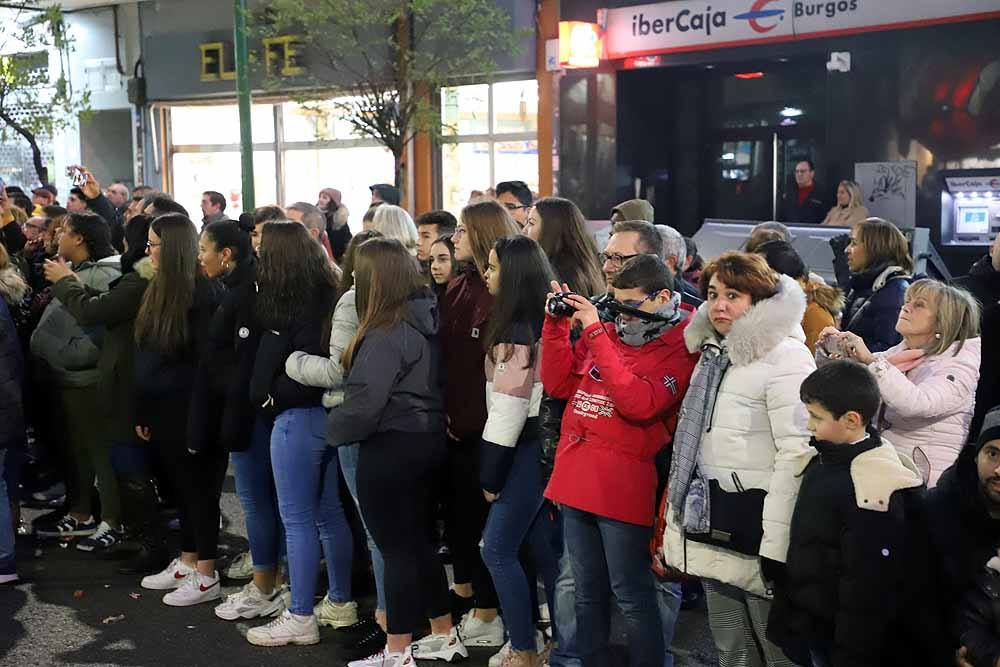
pixel 572 423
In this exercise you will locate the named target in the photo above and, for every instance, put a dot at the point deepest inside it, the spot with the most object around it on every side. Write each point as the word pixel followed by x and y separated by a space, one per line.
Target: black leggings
pixel 395 477
pixel 197 479
pixel 467 510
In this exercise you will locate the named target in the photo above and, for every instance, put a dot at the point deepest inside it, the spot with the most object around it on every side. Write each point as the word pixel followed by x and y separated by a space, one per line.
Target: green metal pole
pixel 243 95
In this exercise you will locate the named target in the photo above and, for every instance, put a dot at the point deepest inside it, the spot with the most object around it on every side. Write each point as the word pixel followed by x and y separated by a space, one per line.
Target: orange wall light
pixel 580 44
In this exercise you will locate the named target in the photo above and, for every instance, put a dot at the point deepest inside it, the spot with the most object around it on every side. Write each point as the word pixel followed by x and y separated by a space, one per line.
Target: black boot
pixel 139 496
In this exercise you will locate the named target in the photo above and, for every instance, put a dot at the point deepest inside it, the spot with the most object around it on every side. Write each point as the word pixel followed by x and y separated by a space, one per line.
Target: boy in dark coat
pixel 843 590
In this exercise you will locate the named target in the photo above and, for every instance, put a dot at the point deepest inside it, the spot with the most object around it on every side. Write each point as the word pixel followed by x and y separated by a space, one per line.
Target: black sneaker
pixel 370 639
pixel 68 527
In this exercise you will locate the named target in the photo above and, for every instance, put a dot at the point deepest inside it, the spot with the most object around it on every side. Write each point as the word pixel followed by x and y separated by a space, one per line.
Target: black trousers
pixel 467 510
pixel 395 478
pixel 197 479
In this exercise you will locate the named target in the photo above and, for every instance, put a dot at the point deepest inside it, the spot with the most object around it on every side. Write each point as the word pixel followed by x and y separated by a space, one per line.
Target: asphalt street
pixel 60 616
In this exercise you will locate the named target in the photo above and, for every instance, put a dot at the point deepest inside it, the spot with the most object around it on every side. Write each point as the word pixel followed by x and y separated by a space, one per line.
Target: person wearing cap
pixel 633 209
pixel 45 195
pixel 963 526
pixel 338 233
pixel 383 193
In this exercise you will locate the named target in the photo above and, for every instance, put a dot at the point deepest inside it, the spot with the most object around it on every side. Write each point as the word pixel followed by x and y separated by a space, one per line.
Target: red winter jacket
pixel 620 398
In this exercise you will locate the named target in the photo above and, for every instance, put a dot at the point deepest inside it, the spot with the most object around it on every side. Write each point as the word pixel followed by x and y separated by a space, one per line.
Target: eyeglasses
pixel 616 259
pixel 151 245
pixel 40 228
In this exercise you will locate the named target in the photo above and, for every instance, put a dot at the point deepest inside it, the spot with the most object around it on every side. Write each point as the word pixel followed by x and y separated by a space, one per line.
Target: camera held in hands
pixel 557 307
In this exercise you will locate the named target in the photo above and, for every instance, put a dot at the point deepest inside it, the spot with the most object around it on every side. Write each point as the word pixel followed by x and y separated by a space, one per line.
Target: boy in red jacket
pixel 623 381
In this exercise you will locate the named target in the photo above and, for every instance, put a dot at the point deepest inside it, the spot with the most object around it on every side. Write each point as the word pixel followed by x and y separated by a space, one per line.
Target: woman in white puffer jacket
pixel 756 429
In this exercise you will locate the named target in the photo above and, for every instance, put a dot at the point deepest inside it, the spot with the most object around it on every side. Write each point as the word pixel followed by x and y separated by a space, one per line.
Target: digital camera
pixel 556 307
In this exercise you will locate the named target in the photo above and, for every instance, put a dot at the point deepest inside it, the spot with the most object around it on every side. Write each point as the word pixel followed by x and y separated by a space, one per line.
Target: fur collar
pixel 829 298
pixel 144 267
pixel 880 472
pixel 12 286
pixel 766 324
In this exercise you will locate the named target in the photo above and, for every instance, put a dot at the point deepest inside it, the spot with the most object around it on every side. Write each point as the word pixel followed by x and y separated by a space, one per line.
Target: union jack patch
pixel 670 383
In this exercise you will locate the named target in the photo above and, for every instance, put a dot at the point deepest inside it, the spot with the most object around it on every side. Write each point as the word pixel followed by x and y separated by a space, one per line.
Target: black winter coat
pixel 221 412
pixel 962 538
pixel 872 307
pixel 164 382
pixel 846 573
pixel 980 620
pixel 983 282
pixel 271 390
pixel 812 211
pixel 11 377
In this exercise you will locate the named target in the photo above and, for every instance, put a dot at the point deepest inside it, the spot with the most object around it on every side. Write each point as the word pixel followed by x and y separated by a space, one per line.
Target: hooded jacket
pixel 465 313
pixel 393 384
pixel 848 542
pixel 115 310
pixel 872 306
pixel 635 209
pixel 620 400
pixel 757 430
pixel 983 282
pixel 927 411
pixel 221 413
pixel 70 348
pixel 824 304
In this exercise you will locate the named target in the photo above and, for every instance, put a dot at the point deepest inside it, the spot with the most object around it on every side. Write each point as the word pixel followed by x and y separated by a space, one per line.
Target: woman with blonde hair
pixel 928 381
pixel 849 211
pixel 393 222
pixel 466 308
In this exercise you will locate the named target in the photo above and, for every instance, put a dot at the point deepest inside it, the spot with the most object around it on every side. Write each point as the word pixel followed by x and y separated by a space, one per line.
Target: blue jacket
pixel 873 304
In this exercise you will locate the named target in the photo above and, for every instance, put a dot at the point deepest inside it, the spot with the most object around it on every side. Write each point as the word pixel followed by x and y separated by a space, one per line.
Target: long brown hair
pixel 294 277
pixel 570 248
pixel 385 275
pixel 162 322
pixel 884 244
pixel 347 262
pixel 485 222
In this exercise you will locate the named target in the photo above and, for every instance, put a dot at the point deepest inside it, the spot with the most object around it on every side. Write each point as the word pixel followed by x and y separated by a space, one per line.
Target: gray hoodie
pixel 394 380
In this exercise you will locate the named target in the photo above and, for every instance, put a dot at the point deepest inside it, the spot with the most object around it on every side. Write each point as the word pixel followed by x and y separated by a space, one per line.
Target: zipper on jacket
pixel 715 401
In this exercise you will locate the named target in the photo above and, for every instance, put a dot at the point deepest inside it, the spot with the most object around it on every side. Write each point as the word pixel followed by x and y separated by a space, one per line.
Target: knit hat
pixel 635 209
pixel 990 429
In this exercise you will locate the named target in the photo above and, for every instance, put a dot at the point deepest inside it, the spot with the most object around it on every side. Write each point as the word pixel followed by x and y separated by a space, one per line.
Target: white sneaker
pixel 336 615
pixel 286 629
pixel 241 567
pixel 171 578
pixel 196 589
pixel 9 578
pixel 497 659
pixel 479 633
pixel 385 659
pixel 441 647
pixel 250 603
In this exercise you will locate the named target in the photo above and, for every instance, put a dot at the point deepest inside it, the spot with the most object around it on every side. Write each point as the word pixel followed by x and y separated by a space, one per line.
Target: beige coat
pixel 846 217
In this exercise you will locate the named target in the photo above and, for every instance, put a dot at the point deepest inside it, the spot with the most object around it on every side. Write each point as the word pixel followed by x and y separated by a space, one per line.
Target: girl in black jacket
pixel 393 406
pixel 170 335
pixel 297 289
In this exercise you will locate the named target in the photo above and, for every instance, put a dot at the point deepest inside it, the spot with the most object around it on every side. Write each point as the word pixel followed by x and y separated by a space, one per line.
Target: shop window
pixel 490 135
pixel 195 173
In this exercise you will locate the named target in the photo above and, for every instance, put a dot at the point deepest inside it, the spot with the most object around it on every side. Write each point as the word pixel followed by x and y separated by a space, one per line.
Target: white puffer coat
pixel 758 430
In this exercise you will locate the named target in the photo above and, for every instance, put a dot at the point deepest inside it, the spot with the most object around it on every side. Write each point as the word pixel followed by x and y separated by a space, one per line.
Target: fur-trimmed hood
pixel 144 267
pixel 12 286
pixel 829 298
pixel 767 323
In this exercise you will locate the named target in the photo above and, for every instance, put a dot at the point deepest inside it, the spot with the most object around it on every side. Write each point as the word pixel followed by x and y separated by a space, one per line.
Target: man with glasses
pixel 805 202
pixel 35 228
pixel 516 197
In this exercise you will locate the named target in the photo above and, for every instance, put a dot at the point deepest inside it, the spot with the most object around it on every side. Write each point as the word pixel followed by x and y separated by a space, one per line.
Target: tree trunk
pixel 36 152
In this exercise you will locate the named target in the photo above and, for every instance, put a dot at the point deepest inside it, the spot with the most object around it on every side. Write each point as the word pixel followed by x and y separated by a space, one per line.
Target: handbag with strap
pixel 736 518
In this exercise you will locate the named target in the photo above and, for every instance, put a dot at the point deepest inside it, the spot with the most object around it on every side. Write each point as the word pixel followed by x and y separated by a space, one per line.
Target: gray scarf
pixel 687 488
pixel 636 332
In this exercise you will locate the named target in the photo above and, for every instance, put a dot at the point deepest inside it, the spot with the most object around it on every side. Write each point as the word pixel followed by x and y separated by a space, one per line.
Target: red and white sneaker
pixel 171 578
pixel 385 659
pixel 197 588
pixel 447 647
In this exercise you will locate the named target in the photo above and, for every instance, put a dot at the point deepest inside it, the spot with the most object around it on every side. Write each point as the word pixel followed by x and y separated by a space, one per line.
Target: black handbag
pixel 736 522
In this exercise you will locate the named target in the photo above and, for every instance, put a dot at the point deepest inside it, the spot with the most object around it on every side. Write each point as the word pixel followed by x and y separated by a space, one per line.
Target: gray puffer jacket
pixel 394 382
pixel 328 372
pixel 70 349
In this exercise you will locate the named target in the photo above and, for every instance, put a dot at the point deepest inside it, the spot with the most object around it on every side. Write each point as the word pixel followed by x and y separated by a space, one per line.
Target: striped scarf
pixel 687 489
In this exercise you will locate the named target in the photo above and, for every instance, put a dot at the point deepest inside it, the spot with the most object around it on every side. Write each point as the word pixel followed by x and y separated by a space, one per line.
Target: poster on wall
pixel 889 190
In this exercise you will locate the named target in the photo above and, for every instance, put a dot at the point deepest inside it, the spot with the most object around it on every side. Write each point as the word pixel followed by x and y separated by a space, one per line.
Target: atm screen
pixel 973 220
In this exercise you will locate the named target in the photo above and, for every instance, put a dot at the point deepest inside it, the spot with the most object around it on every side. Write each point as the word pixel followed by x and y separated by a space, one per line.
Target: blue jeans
pixel 6 524
pixel 513 519
pixel 565 653
pixel 604 554
pixel 307 482
pixel 255 488
pixel 668 597
pixel 349 466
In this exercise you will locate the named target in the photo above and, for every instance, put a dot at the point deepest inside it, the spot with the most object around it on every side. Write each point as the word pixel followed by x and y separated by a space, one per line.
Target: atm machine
pixel 970 207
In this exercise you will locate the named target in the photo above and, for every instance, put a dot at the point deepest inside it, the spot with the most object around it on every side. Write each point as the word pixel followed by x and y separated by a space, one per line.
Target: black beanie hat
pixel 990 429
